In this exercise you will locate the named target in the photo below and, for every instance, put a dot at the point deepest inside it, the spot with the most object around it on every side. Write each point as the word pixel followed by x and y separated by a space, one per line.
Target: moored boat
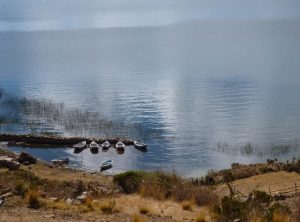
pixel 60 160
pixel 105 145
pixel 106 165
pixel 120 145
pixel 94 146
pixel 139 144
pixel 80 146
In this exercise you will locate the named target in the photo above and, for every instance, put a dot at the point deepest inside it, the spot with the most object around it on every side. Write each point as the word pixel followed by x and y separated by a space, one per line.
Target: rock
pixel 1 202
pixel 83 196
pixel 25 157
pixel 6 195
pixel 9 163
pixel 50 216
pixel 54 199
pixel 69 201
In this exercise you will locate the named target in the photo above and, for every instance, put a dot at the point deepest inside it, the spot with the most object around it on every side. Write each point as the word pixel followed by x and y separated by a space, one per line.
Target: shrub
pixel 129 181
pixel 277 212
pixel 261 197
pixel 20 188
pixel 33 199
pixel 232 208
pixel 205 197
pixel 264 169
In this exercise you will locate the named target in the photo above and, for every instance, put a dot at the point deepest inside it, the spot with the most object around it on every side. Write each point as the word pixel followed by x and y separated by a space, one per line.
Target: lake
pixel 203 84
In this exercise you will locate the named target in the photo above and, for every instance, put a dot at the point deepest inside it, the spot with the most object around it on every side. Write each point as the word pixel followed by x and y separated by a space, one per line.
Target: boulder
pixel 26 158
pixel 9 163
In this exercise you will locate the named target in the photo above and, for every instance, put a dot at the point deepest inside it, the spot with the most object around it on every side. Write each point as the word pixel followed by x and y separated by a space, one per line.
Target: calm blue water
pixel 197 80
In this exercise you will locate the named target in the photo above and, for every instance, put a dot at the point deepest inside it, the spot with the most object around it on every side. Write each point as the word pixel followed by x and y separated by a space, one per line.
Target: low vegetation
pixel 187 205
pixel 144 210
pixel 162 185
pixel 258 204
pixel 34 199
pixel 194 196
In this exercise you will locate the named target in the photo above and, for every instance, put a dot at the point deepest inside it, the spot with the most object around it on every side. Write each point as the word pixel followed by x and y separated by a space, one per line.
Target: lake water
pixel 204 84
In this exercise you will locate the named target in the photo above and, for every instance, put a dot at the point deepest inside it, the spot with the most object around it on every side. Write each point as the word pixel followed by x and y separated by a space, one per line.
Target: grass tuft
pixel 108 207
pixel 187 205
pixel 34 199
pixel 138 218
pixel 144 210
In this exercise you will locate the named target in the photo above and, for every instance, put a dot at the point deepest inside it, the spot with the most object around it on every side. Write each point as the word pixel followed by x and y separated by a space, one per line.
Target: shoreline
pixel 43 141
pixel 60 189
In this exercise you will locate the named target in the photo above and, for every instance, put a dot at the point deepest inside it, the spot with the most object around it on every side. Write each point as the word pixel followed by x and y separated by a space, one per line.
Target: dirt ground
pixel 265 182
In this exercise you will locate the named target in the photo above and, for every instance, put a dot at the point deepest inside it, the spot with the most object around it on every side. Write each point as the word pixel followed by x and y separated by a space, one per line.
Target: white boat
pixel 94 146
pixel 105 145
pixel 60 160
pixel 80 146
pixel 139 144
pixel 106 165
pixel 120 145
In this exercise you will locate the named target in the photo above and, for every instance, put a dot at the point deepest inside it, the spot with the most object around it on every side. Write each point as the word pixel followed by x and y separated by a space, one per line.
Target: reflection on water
pixel 198 85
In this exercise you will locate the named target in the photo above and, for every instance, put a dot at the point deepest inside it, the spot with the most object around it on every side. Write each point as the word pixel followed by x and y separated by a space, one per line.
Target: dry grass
pixel 144 210
pixel 34 200
pixel 59 205
pixel 138 218
pixel 108 207
pixel 201 217
pixel 162 186
pixel 187 205
pixel 279 217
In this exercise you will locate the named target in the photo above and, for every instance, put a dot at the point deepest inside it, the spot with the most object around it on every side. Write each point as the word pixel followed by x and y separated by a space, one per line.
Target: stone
pixel 83 196
pixel 9 163
pixel 69 201
pixel 54 199
pixel 25 157
pixel 50 216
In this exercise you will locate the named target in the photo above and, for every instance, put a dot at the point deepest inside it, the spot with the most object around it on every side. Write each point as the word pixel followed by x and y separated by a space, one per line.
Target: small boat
pixel 80 146
pixel 106 165
pixel 120 145
pixel 105 145
pixel 94 146
pixel 61 160
pixel 139 144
